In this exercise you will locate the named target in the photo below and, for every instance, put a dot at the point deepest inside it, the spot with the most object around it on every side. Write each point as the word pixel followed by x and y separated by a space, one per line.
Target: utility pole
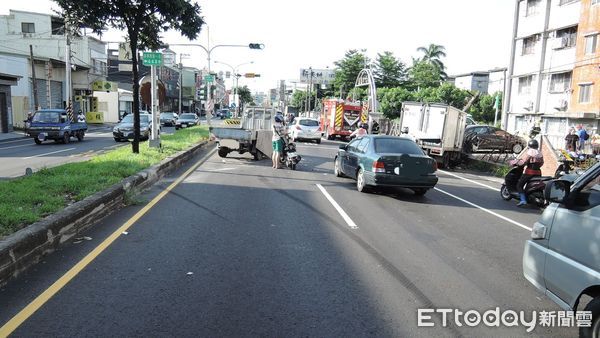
pixel 180 81
pixel 68 70
pixel 33 80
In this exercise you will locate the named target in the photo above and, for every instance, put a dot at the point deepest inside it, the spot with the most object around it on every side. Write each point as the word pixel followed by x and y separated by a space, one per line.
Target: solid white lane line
pixel 24 139
pixel 50 153
pixel 219 169
pixel 19 146
pixel 337 207
pixel 469 180
pixel 485 210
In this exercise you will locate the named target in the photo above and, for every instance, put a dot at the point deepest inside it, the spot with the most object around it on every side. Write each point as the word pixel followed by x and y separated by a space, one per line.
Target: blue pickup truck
pixel 53 124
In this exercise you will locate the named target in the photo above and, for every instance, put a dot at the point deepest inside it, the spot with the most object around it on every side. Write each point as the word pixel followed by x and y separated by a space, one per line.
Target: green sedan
pixel 386 161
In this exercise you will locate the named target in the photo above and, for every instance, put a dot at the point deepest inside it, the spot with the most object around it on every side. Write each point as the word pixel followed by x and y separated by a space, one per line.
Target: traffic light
pixel 201 93
pixel 256 46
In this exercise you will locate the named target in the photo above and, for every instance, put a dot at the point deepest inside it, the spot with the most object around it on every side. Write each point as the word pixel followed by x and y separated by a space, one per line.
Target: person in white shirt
pixel 360 132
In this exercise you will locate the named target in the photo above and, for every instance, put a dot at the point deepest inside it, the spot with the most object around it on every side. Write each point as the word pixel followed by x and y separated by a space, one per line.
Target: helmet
pixel 404 130
pixel 533 144
pixel 279 118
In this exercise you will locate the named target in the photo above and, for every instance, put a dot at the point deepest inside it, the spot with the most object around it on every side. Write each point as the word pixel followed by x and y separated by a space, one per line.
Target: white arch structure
pixel 365 79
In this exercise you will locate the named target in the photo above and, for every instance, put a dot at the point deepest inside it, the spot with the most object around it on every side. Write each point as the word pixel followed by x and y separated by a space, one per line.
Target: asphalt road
pixel 17 155
pixel 241 249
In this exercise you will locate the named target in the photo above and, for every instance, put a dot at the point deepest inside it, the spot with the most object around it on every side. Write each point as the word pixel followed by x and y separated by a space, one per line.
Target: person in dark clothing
pixel 533 162
pixel 571 140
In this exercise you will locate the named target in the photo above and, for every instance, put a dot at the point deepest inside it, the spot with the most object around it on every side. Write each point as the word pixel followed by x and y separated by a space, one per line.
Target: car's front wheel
pixel 420 191
pixel 594 329
pixel 361 184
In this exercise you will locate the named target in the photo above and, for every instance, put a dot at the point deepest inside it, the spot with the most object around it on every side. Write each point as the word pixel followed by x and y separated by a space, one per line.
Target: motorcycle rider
pixel 360 132
pixel 533 162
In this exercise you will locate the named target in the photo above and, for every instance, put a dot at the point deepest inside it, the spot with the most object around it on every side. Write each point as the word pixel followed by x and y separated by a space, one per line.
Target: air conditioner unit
pixel 528 106
pixel 562 105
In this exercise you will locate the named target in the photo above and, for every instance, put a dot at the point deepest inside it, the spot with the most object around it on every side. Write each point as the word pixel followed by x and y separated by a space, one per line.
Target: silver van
pixel 562 258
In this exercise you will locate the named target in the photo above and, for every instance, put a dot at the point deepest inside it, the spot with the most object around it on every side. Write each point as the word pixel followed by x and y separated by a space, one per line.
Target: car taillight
pixel 378 167
pixel 298 128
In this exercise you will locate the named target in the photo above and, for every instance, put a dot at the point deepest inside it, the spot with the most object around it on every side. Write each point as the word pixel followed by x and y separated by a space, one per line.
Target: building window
pixel 560 83
pixel 529 44
pixel 566 38
pixel 585 93
pixel 99 67
pixel 564 2
pixel 594 2
pixel 525 84
pixel 533 7
pixel 27 27
pixel 591 42
pixel 58 27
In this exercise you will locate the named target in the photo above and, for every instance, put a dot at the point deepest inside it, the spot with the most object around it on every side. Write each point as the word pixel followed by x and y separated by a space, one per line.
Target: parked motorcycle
pixel 289 157
pixel 534 189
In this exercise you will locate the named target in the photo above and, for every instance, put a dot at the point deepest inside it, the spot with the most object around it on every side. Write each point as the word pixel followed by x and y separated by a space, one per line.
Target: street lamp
pixel 236 77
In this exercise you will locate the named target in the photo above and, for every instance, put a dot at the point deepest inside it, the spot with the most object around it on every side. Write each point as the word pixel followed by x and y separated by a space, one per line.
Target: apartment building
pixel 26 34
pixel 554 75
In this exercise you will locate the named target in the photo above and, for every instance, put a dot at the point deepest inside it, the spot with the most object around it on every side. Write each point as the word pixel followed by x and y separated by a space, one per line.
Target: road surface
pixel 241 249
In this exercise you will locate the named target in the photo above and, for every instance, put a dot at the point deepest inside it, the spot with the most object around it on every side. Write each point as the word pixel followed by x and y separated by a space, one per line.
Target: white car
pixel 305 129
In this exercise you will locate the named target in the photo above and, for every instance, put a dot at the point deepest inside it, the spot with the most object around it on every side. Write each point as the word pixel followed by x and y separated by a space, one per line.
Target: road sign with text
pixel 152 59
pixel 209 78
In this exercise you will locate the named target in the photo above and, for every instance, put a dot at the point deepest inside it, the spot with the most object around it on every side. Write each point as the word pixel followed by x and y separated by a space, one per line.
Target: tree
pixel 348 68
pixel 483 109
pixel 433 54
pixel 389 71
pixel 390 100
pixel 244 96
pixel 423 74
pixel 143 22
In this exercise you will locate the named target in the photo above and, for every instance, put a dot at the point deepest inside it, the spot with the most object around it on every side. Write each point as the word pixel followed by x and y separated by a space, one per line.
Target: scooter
pixel 534 189
pixel 289 157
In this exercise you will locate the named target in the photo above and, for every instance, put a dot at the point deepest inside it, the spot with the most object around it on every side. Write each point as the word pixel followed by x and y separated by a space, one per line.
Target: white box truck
pixel 438 128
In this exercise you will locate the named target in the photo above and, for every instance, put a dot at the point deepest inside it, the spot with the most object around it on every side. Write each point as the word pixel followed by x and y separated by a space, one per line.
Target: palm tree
pixel 433 54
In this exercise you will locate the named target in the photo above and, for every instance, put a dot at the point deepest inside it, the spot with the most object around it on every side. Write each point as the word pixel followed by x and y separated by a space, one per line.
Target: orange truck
pixel 340 118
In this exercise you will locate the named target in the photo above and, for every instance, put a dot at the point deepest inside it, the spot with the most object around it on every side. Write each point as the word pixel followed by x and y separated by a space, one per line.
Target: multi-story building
pixel 554 74
pixel 41 37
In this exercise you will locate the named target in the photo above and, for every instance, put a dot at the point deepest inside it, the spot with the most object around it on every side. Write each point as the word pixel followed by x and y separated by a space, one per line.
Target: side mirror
pixel 343 146
pixel 557 191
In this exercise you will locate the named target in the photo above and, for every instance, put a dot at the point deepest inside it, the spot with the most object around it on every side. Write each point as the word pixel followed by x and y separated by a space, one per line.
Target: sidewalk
pixel 18 134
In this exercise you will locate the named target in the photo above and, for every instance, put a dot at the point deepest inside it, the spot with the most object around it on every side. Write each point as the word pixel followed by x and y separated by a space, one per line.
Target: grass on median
pixel 28 199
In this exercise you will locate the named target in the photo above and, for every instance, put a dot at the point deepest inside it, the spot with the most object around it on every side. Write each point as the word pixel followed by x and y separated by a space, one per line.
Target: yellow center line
pixel 45 296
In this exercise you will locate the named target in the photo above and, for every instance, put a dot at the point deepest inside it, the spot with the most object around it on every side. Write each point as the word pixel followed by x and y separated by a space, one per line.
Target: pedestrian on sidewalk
pixel 583 136
pixel 571 140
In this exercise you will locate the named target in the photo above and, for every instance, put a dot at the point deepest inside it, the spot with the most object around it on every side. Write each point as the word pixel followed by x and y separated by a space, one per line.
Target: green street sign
pixel 209 78
pixel 152 59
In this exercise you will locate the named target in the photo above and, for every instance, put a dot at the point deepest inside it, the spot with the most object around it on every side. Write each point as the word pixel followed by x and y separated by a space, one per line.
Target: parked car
pixel 168 119
pixel 186 120
pixel 487 138
pixel 562 258
pixel 224 114
pixel 305 129
pixel 124 130
pixel 381 160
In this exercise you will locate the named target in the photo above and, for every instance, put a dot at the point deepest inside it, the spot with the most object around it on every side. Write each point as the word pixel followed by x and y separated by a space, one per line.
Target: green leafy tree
pixel 449 94
pixel 390 100
pixel 483 110
pixel 347 69
pixel 424 75
pixel 389 72
pixel 245 96
pixel 143 22
pixel 433 54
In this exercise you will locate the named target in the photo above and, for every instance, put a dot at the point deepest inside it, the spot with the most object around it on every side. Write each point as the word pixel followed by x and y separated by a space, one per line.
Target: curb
pixel 27 246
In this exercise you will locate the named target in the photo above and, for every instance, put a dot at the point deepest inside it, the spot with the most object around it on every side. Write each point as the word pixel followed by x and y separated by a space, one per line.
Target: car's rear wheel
pixel 117 139
pixel 594 330
pixel 517 148
pixel 361 184
pixel 318 141
pixel 336 168
pixel 80 135
pixel 66 138
pixel 420 191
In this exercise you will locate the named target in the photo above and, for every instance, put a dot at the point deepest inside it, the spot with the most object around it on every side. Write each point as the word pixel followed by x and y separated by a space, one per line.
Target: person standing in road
pixel 533 162
pixel 279 132
pixel 583 136
pixel 360 132
pixel 571 140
